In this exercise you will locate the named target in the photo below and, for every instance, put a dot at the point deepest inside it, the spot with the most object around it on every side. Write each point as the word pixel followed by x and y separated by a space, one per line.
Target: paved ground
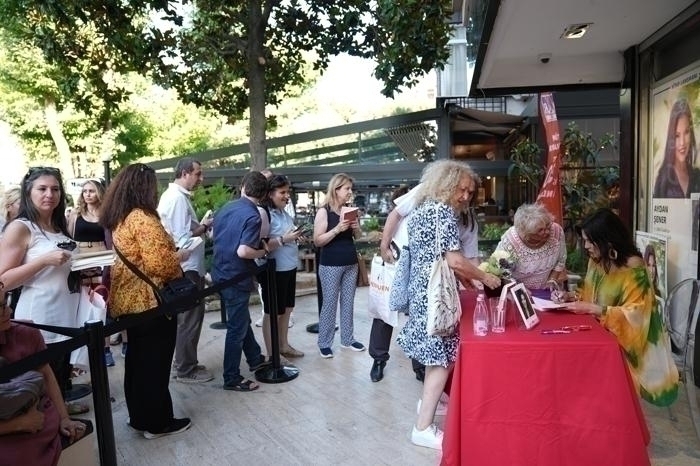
pixel 331 414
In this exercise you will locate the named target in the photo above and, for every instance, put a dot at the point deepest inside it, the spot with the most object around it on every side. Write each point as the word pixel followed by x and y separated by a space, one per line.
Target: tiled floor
pixel 331 414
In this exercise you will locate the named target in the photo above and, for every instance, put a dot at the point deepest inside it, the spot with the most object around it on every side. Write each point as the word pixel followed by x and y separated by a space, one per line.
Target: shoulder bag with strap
pixel 180 293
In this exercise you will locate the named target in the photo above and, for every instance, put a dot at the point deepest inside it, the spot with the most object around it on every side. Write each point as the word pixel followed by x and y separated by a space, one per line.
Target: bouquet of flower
pixel 499 264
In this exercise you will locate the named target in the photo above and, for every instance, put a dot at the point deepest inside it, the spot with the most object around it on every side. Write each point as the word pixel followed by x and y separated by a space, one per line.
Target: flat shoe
pixel 74 408
pixel 292 353
pixel 243 385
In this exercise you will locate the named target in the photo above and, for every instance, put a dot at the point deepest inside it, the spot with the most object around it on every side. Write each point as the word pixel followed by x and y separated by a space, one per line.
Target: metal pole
pixel 108 172
pixel 100 393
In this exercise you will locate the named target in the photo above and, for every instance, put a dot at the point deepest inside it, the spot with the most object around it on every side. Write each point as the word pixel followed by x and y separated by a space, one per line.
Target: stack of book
pixel 89 260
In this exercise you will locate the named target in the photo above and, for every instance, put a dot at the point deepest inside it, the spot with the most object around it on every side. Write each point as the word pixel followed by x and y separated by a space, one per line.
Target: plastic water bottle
pixel 481 317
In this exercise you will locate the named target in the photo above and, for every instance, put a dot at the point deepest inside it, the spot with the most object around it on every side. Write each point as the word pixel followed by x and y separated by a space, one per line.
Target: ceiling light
pixel 575 31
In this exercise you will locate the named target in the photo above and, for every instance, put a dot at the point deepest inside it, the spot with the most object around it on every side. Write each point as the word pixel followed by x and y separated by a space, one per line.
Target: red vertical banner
pixel 550 193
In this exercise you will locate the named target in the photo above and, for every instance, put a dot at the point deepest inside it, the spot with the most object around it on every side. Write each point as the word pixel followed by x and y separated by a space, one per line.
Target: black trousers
pixel 61 370
pixel 147 374
pixel 380 340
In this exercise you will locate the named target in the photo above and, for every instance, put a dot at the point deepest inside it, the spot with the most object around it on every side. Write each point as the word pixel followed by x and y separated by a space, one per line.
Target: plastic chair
pixel 681 317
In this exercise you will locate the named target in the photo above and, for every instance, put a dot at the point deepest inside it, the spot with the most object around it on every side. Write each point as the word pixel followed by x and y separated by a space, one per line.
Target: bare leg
pixel 433 386
pixel 283 328
pixel 267 334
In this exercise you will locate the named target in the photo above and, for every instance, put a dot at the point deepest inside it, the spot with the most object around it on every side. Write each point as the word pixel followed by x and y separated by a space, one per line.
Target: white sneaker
pixel 441 409
pixel 431 437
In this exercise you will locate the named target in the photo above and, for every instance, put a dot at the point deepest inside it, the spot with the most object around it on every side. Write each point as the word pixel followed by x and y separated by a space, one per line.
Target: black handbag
pixel 178 294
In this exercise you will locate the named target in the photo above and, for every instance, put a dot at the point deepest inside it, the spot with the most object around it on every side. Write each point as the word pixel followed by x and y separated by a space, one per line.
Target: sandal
pixel 291 353
pixel 243 385
pixel 74 408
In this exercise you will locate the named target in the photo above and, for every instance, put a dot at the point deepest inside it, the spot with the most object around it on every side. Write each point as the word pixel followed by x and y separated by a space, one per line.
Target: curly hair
pixel 441 179
pixel 531 217
pixel 135 187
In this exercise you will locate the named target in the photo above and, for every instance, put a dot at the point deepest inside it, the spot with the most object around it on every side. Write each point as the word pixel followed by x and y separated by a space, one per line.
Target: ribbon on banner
pixel 550 193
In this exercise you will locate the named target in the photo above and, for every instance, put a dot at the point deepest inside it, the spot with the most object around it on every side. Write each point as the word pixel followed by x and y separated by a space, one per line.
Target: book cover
pixel 349 214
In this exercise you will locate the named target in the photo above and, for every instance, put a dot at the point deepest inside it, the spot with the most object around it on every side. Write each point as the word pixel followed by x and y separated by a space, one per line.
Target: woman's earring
pixel 612 254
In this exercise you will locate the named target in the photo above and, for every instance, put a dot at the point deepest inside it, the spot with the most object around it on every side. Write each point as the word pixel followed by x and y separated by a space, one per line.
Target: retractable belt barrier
pixel 92 334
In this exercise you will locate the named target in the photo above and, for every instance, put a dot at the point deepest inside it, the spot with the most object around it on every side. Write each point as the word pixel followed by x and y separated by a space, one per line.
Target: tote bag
pixel 381 277
pixel 444 308
pixel 90 307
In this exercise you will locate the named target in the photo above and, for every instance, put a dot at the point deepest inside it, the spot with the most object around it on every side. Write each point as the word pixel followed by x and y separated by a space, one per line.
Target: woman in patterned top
pixel 618 291
pixel 536 246
pixel 432 232
pixel 129 211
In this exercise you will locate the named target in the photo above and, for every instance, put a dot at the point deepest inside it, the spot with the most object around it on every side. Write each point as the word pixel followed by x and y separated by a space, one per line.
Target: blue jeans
pixel 239 335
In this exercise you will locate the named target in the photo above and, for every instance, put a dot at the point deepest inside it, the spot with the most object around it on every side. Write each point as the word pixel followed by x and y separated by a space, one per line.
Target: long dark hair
pixel 667 173
pixel 28 210
pixel 135 187
pixel 605 229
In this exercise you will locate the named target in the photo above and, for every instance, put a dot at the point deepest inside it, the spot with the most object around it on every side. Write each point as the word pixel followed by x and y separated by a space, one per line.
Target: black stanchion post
pixel 276 373
pixel 100 393
pixel 313 328
pixel 220 325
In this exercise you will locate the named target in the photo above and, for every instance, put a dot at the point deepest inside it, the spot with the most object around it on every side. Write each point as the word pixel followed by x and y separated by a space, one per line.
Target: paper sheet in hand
pixel 545 305
pixel 349 214
pixel 89 260
pixel 190 243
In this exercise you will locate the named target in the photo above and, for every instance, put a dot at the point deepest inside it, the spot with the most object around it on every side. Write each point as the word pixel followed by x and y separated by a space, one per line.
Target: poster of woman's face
pixel 653 249
pixel 674 172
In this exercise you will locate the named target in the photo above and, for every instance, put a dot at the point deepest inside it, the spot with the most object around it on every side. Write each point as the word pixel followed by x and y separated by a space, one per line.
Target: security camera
pixel 544 57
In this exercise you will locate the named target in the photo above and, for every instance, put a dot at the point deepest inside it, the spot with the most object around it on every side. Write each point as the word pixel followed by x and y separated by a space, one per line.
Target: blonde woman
pixel 337 268
pixel 10 206
pixel 83 221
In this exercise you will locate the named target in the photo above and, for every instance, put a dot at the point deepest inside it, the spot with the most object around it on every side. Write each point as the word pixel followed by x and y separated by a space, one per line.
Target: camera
pixel 544 57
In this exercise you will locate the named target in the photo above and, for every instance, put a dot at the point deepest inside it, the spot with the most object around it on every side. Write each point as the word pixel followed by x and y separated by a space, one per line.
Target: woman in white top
pixel 537 247
pixel 35 254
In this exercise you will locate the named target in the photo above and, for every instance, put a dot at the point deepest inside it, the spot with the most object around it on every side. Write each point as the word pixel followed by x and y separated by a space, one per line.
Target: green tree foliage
pixel 235 56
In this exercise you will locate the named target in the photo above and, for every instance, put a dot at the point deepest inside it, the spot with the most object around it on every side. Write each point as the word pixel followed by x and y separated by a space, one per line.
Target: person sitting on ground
pixel 37 436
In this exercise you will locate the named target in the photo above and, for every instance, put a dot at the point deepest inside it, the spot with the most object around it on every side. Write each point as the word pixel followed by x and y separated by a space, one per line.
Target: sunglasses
pixel 67 245
pixel 46 170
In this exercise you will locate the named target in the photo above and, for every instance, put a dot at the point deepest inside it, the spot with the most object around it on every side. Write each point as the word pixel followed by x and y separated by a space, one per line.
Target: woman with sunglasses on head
pixel 35 254
pixel 617 290
pixel 282 245
pixel 129 212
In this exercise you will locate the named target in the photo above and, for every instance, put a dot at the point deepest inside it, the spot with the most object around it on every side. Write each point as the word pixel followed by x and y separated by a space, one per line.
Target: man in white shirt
pixel 180 220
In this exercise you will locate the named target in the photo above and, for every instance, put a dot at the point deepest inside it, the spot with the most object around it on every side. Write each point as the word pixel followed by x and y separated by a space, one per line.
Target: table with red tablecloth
pixel 527 398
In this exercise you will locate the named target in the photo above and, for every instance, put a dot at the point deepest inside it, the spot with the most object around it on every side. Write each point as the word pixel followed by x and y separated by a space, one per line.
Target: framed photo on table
pixel 522 301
